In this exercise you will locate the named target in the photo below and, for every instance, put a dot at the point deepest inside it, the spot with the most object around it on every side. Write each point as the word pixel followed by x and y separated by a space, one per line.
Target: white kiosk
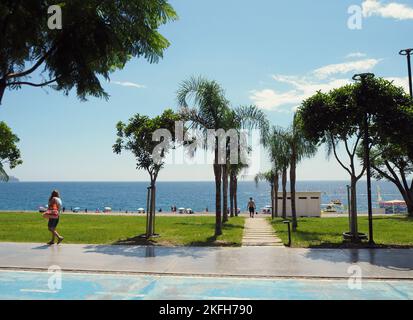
pixel 308 204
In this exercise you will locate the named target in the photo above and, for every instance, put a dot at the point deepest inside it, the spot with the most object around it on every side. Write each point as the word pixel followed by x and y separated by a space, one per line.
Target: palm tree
pixel 240 118
pixel 299 148
pixel 210 112
pixel 270 177
pixel 274 140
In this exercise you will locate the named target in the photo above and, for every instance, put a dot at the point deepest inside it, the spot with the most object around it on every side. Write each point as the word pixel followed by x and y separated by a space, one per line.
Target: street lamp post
pixel 408 53
pixel 363 77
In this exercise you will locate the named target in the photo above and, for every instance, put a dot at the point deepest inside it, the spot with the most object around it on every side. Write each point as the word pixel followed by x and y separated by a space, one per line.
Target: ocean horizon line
pixel 163 181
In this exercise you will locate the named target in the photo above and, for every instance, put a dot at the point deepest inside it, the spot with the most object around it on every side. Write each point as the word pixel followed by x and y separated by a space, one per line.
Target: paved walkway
pixel 258 232
pixel 247 261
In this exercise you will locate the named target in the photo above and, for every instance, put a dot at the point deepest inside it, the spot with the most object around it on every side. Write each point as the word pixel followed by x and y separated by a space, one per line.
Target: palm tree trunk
pixel 218 179
pixel 272 199
pixel 284 186
pixel 225 192
pixel 236 195
pixel 276 184
pixel 292 191
pixel 231 194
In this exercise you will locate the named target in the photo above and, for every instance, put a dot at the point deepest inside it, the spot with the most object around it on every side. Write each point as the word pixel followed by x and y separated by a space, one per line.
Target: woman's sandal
pixel 60 240
pixel 50 243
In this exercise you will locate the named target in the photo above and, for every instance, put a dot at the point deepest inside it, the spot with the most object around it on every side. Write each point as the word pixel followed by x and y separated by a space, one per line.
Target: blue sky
pixel 267 52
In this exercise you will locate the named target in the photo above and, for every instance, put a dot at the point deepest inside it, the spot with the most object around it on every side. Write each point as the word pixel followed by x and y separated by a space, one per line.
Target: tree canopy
pixel 137 137
pixel 9 153
pixel 338 117
pixel 97 37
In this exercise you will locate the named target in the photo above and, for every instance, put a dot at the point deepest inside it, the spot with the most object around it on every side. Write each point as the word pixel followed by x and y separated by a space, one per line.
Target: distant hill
pixel 13 179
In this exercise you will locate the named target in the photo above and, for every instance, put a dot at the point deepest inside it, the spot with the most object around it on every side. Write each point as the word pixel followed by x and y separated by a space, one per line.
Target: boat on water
pixel 337 202
pixel 335 206
pixel 330 208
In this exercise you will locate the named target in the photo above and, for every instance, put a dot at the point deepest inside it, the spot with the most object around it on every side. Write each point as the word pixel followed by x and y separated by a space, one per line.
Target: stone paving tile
pixel 258 232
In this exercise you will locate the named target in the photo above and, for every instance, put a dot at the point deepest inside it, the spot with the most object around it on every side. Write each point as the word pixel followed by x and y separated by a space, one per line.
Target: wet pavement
pixel 245 261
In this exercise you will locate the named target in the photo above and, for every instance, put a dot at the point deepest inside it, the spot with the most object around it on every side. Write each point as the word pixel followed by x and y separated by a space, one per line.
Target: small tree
pixel 9 153
pixel 392 153
pixel 334 119
pixel 138 137
pixel 339 118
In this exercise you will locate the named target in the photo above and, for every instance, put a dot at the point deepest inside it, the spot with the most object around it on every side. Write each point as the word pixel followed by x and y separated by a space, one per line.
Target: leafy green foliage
pixel 339 115
pixel 9 153
pixel 137 137
pixel 97 38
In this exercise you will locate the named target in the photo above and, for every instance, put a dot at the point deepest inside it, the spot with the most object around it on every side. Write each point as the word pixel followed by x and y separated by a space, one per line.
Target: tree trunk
pixel 284 186
pixel 353 211
pixel 2 89
pixel 272 199
pixel 153 207
pixel 276 185
pixel 410 208
pixel 292 191
pixel 218 179
pixel 231 194
pixel 408 198
pixel 236 195
pixel 151 211
pixel 225 193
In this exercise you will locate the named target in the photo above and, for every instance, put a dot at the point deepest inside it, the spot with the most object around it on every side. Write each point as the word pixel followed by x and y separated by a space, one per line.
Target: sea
pixel 129 196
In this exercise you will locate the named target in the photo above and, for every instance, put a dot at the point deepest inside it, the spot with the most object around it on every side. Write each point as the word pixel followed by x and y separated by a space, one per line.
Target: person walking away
pixel 251 207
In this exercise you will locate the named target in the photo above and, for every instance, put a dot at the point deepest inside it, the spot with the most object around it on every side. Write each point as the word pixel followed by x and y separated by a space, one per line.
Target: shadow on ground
pixel 395 259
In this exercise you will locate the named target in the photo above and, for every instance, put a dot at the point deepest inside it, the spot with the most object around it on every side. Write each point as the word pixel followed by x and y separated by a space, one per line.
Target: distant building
pixel 308 204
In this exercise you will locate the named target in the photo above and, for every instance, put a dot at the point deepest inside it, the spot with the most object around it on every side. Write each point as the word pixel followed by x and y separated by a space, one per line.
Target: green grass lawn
pixel 87 229
pixel 391 231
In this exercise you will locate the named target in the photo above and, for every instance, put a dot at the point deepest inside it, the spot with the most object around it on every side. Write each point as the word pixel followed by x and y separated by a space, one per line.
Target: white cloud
pixel 343 68
pixel 302 87
pixel 392 10
pixel 129 84
pixel 400 82
pixel 356 55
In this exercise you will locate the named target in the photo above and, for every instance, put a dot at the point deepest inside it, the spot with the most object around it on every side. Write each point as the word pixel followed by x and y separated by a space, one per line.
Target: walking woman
pixel 53 213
